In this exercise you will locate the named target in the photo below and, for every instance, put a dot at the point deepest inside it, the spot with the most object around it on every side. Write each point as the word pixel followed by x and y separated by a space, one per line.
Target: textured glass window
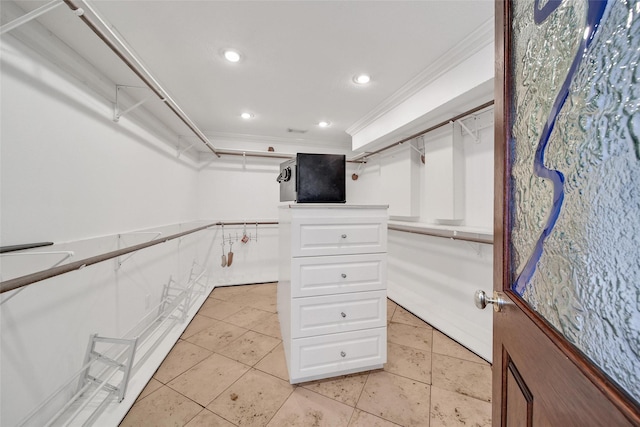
pixel 575 140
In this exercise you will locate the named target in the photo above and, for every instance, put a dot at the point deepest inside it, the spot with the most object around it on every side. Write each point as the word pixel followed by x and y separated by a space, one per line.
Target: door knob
pixel 482 299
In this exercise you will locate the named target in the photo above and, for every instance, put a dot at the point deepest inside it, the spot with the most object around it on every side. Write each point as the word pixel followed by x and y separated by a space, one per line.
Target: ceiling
pixel 298 58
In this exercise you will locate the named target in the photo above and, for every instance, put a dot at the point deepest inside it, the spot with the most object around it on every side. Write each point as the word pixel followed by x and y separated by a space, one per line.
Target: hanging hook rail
pixel 125 54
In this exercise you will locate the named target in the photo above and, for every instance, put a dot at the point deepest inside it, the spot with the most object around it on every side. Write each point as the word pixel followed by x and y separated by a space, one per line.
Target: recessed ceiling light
pixel 246 116
pixel 231 55
pixel 324 124
pixel 362 79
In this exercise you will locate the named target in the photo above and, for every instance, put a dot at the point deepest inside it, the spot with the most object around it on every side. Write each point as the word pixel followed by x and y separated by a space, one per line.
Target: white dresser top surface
pixel 294 205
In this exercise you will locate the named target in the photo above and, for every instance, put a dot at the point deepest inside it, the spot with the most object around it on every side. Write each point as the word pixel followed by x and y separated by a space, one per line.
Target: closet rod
pixel 19 282
pixel 445 235
pixel 267 155
pixel 138 69
pixel 248 223
pixel 432 128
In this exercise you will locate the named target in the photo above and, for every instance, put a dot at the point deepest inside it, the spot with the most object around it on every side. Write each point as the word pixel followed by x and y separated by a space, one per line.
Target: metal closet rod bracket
pixel 473 135
pixel 179 151
pixel 117 112
pixel 417 150
pixel 120 260
pixel 67 255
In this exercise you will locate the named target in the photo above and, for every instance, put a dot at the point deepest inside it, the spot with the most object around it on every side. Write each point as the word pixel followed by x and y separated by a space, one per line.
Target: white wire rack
pixel 96 385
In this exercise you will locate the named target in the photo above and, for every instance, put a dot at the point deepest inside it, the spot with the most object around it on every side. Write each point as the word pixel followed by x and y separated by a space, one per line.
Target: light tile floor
pixel 228 369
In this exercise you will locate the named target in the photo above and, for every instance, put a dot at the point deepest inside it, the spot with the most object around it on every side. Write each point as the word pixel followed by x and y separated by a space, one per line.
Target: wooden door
pixel 539 377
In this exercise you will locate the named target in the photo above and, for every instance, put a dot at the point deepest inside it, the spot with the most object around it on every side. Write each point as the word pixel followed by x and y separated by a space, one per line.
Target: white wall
pixel 68 171
pixel 478 174
pixel 234 189
pixel 433 277
pixel 479 169
pixel 72 176
pixel 237 189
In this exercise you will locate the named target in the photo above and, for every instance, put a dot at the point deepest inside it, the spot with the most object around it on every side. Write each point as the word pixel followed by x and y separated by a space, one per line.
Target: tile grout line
pixel 296 386
pixel 223 391
pixel 431 385
pixel 250 369
pixel 362 391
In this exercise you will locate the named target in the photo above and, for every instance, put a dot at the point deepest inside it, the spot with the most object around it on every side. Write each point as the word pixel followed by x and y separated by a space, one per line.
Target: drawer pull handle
pixel 343 314
pixel 344 276
pixel 343 354
pixel 344 236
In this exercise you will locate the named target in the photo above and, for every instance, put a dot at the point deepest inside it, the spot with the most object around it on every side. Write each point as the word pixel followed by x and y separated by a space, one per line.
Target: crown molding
pixel 478 39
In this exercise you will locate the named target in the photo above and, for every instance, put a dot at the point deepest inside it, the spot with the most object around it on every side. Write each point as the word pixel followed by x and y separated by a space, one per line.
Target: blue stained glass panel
pixel 575 139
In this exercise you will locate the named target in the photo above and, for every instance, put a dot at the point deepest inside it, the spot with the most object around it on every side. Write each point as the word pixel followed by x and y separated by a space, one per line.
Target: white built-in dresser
pixel 332 290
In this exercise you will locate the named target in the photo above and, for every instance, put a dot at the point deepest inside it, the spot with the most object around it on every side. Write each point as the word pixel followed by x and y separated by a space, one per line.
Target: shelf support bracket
pixel 67 255
pixel 117 111
pixel 120 260
pixel 184 150
pixel 419 151
pixel 473 135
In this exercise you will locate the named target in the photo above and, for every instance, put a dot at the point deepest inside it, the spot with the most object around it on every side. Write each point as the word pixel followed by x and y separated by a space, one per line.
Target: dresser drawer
pixel 312 276
pixel 338 313
pixel 338 236
pixel 338 353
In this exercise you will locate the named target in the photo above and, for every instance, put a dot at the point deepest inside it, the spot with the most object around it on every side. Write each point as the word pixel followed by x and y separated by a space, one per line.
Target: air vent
pixel 290 130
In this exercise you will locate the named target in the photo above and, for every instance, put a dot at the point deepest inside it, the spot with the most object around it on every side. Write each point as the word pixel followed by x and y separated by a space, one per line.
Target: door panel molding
pixel 519 407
